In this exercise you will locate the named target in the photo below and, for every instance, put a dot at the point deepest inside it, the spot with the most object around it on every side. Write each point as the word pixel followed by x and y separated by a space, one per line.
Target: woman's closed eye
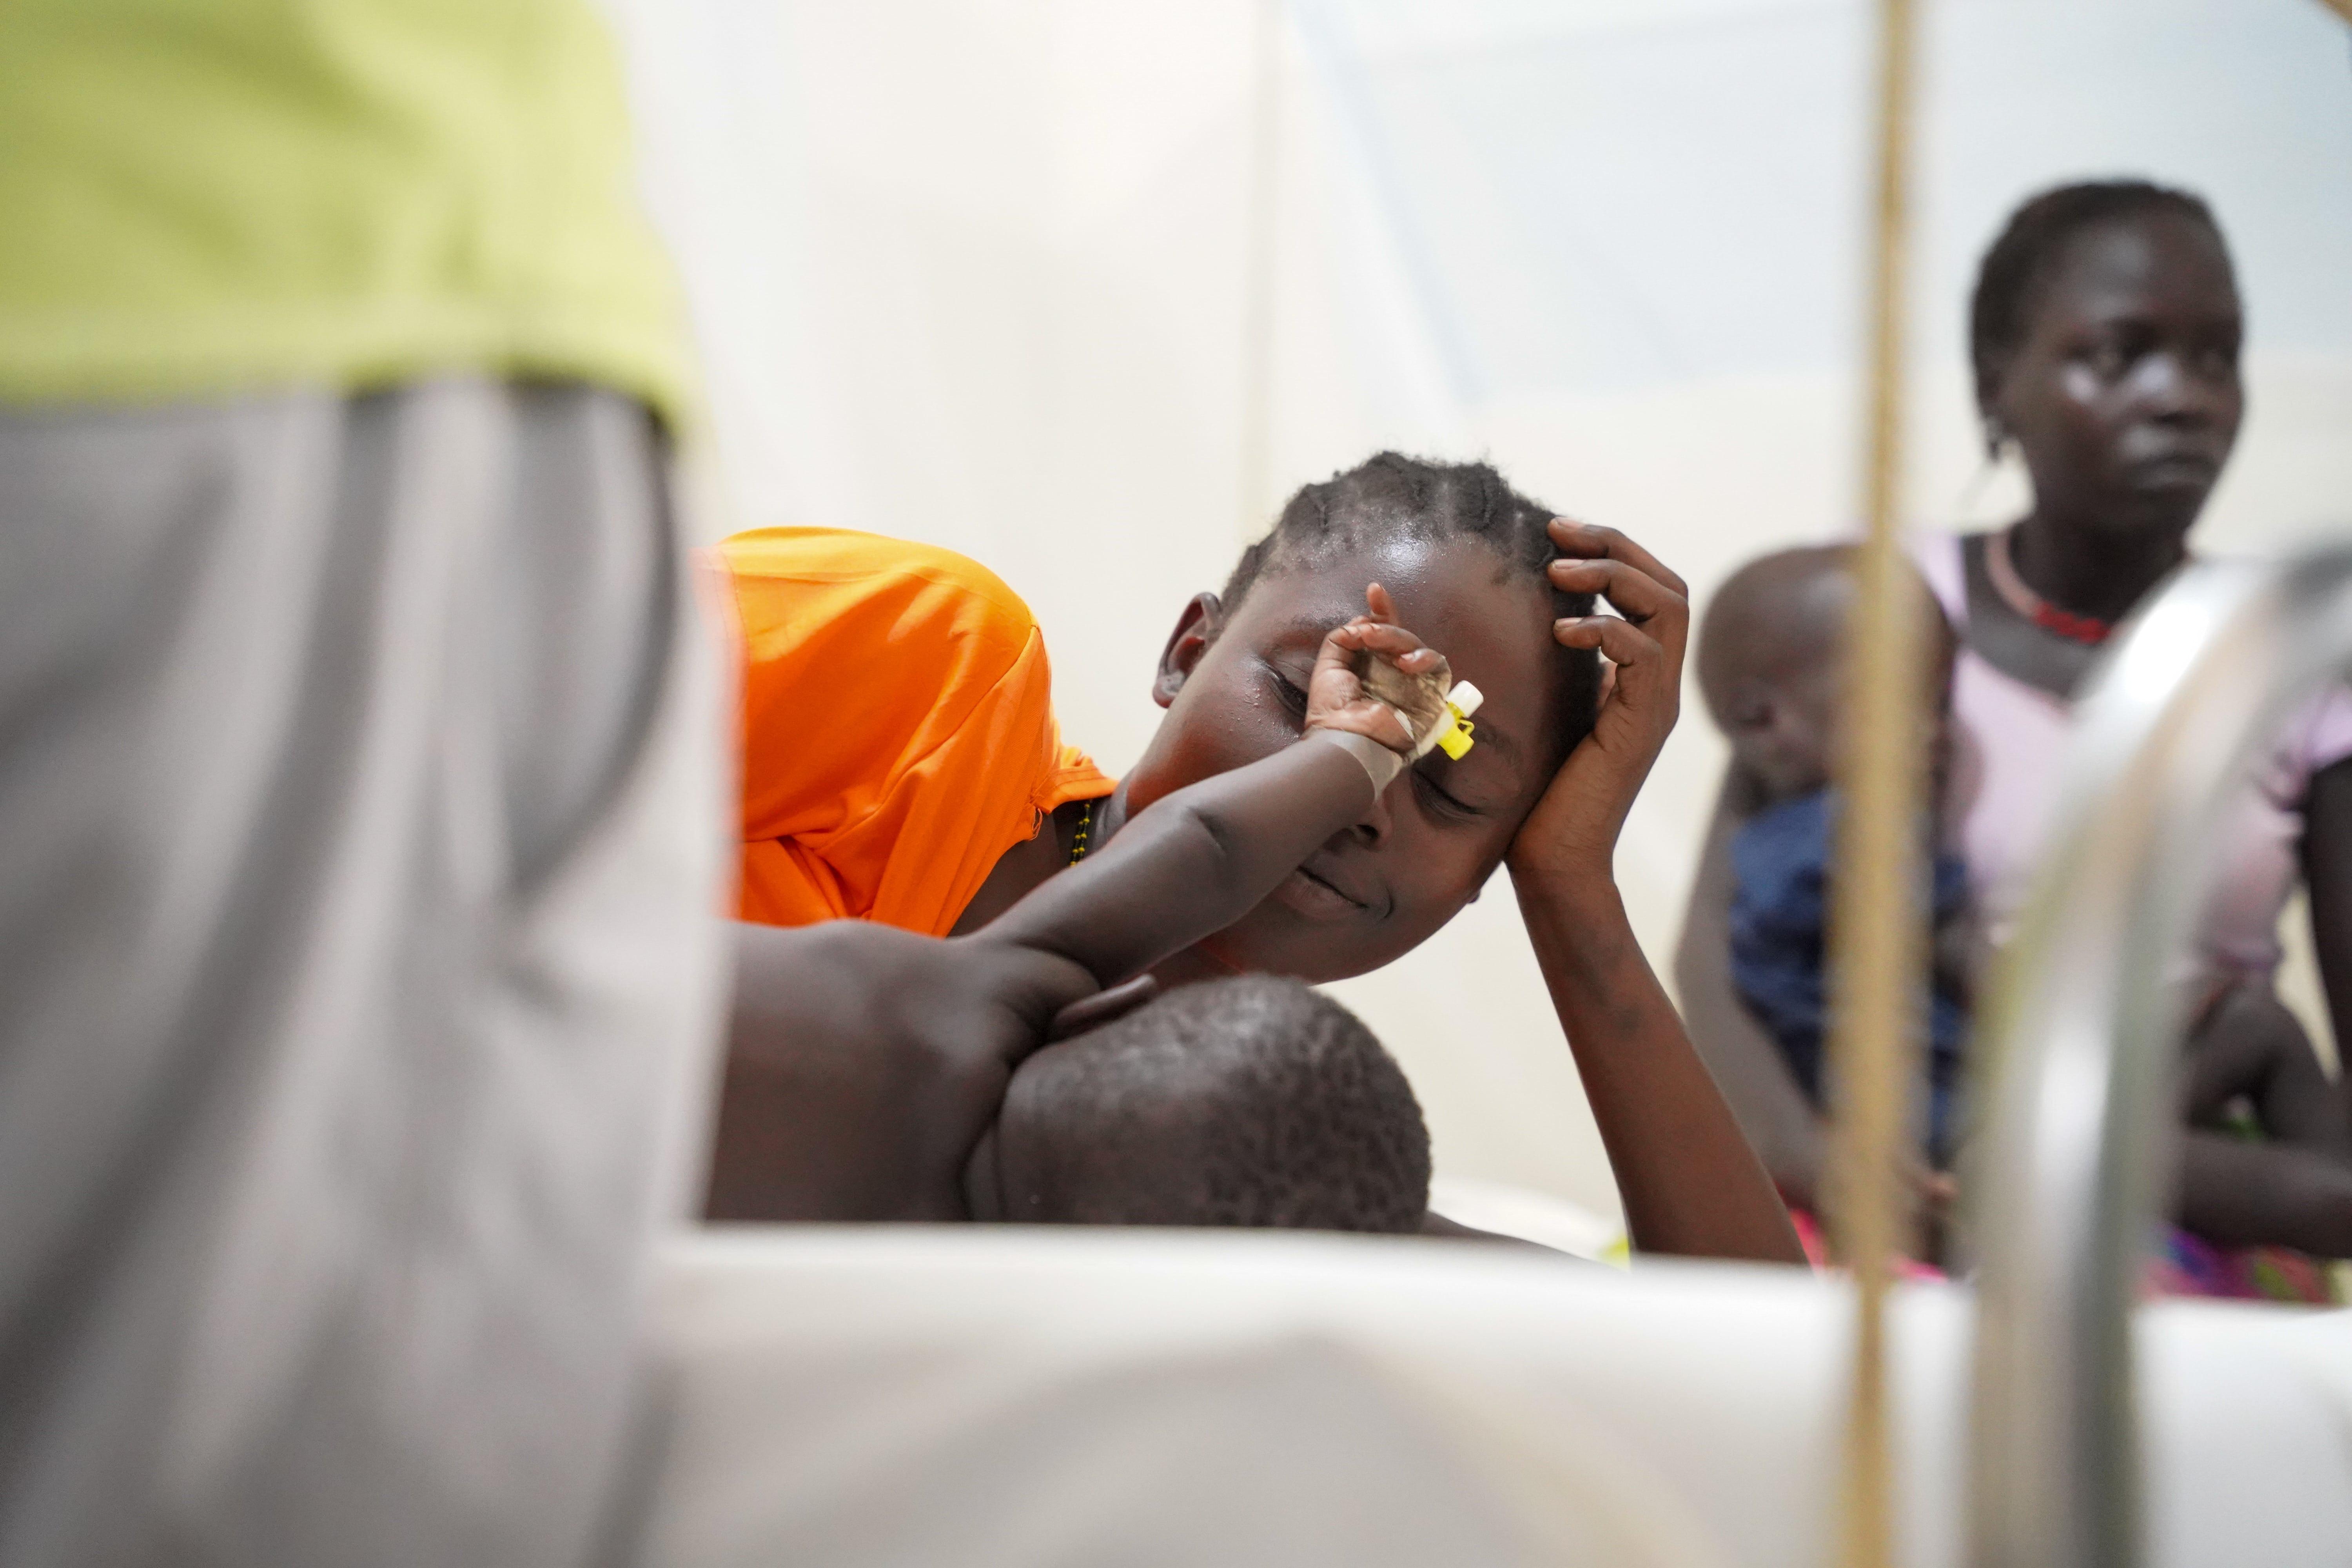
pixel 1292 694
pixel 1435 796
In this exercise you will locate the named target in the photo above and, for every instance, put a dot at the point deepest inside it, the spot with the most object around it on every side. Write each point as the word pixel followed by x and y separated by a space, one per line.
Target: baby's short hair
pixel 1249 1101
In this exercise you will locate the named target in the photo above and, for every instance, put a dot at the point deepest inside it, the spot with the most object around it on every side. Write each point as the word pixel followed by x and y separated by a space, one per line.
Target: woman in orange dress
pixel 898 734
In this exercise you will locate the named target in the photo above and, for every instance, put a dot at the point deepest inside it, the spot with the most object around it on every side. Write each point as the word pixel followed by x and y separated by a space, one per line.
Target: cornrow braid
pixel 2021 260
pixel 1391 496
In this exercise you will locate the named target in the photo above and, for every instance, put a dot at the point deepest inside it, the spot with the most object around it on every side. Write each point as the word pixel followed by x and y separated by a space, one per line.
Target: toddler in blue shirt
pixel 1770 664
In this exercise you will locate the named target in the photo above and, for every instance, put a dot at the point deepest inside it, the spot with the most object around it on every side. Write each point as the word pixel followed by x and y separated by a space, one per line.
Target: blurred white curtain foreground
pixel 978 272
pixel 1042 1398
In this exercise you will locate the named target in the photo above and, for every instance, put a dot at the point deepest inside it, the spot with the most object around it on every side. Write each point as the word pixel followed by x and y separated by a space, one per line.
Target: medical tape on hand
pixel 1380 764
pixel 1433 706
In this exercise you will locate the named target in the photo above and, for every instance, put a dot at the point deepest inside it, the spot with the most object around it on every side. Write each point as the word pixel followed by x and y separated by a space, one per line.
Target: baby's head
pixel 1771 662
pixel 1249 1101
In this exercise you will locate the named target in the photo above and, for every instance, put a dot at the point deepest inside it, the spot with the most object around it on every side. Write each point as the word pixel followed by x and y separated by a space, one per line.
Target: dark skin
pixel 2328 876
pixel 1233 686
pixel 2295 1188
pixel 880 1122
pixel 2123 400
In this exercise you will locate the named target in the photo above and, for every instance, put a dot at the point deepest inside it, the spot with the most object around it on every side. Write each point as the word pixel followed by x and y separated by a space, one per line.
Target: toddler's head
pixel 1772 663
pixel 1249 1101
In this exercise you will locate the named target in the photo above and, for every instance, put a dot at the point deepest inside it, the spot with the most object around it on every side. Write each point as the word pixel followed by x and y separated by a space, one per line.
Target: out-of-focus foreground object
pixel 361 784
pixel 2080 1047
pixel 1059 1398
pixel 250 194
pixel 358 970
pixel 1877 934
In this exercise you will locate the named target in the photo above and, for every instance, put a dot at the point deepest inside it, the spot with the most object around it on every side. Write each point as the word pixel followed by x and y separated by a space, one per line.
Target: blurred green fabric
pixel 206 197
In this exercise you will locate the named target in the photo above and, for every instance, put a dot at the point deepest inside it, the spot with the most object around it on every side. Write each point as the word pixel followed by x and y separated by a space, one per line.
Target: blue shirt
pixel 1780 921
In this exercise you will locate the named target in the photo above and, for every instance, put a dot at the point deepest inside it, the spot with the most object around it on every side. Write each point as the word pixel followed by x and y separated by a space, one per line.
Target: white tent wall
pixel 980 272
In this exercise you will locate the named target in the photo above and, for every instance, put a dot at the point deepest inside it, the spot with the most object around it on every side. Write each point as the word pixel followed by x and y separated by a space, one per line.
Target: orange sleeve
pixel 898 732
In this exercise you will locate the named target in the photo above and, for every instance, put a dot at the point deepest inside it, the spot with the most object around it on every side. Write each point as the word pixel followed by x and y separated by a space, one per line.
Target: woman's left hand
pixel 1573 828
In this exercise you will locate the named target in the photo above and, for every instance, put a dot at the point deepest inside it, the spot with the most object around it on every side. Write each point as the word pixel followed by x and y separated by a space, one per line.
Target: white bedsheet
pixel 1084 1398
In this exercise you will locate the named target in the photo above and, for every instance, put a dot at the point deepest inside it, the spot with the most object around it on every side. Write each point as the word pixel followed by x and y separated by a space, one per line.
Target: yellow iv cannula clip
pixel 1454 735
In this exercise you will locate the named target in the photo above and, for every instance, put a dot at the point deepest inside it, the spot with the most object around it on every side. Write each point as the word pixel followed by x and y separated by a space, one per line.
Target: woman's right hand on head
pixel 863 1063
pixel 1336 696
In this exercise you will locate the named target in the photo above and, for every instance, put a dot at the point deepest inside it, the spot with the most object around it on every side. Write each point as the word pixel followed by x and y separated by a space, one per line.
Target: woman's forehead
pixel 2161 257
pixel 1439 584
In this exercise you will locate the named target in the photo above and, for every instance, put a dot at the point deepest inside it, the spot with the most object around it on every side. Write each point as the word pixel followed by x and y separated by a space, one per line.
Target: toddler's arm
pixel 1197 860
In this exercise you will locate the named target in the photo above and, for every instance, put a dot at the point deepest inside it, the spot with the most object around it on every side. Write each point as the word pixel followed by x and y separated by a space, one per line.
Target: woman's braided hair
pixel 1391 496
pixel 2021 259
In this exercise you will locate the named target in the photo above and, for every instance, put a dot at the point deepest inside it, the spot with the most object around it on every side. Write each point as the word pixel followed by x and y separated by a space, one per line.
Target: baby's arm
pixel 1200 858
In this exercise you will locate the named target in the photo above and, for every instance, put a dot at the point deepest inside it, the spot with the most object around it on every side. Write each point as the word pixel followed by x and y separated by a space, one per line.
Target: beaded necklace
pixel 2086 630
pixel 1086 829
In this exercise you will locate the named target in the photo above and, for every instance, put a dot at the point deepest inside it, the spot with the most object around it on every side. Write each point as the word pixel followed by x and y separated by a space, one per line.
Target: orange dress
pixel 899 731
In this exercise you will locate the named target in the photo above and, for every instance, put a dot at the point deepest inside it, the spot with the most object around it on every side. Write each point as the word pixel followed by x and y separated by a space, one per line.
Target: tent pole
pixel 1878 930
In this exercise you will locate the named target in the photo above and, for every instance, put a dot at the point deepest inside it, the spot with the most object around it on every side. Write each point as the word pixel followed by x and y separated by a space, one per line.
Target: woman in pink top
pixel 2105 329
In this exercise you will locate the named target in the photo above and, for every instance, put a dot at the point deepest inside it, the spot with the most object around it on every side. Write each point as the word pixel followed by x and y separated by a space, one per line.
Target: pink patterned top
pixel 2009 738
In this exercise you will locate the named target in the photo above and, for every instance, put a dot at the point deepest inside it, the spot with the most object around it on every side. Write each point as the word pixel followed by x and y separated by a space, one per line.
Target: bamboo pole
pixel 1878 927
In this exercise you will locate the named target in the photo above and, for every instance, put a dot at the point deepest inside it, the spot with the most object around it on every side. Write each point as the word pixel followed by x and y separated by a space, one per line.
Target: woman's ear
pixel 1196 628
